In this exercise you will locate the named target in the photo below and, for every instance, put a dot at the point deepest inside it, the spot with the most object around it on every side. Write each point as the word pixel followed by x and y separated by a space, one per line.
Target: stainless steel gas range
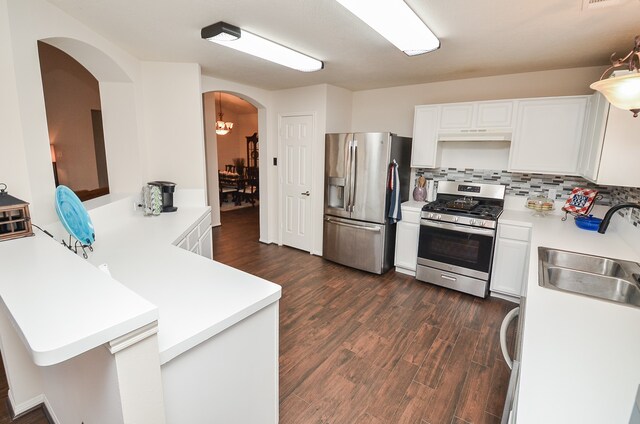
pixel 457 236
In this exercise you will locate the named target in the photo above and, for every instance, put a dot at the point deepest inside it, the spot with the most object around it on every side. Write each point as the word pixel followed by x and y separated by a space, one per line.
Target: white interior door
pixel 296 133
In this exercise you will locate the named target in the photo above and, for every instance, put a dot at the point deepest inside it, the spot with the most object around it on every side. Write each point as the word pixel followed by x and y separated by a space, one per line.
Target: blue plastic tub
pixel 589 223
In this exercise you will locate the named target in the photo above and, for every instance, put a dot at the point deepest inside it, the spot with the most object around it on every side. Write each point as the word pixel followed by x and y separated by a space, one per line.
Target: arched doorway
pixel 233 160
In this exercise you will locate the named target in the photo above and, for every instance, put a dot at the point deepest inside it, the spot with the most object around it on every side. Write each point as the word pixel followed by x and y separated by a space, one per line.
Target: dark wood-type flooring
pixel 362 348
pixel 359 348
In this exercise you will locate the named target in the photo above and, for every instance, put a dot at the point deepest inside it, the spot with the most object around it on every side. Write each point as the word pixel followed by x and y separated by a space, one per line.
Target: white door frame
pixel 314 188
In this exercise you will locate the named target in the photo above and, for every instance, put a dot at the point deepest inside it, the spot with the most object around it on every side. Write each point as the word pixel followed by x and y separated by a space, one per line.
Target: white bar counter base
pixel 217 327
pixel 580 354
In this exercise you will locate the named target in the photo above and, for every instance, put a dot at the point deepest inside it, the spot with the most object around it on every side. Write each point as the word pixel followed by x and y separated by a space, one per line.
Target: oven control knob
pixel 439 217
pixel 473 222
pixel 455 219
pixel 430 215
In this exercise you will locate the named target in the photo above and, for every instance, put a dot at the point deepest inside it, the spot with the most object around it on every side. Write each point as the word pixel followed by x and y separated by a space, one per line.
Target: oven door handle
pixel 461 228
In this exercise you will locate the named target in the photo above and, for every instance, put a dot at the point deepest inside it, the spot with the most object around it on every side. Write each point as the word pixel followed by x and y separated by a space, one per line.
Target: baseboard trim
pixel 405 271
pixel 38 402
pixel 17 410
pixel 48 412
pixel 510 298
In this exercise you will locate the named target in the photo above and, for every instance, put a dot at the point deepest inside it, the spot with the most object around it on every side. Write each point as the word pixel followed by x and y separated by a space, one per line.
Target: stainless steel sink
pixel 609 279
pixel 581 262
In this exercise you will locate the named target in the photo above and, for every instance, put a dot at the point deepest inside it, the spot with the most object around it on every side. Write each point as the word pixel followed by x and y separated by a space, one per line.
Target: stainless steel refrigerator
pixel 357 231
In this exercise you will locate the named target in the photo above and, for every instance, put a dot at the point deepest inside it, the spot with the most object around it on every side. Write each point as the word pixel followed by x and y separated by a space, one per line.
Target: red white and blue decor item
pixel 580 201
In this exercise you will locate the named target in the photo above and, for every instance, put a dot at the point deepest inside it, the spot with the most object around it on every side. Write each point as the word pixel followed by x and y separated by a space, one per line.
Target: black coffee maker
pixel 167 188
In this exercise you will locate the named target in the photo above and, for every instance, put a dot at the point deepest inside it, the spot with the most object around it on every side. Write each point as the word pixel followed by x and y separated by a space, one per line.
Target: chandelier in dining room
pixel 222 127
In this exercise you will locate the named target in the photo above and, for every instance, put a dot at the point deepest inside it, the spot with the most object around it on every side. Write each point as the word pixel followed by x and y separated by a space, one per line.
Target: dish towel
pixel 395 214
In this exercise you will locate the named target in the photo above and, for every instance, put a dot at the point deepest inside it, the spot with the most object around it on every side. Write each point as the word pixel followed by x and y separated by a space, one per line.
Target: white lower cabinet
pixel 198 238
pixel 195 249
pixel 407 233
pixel 511 259
pixel 206 244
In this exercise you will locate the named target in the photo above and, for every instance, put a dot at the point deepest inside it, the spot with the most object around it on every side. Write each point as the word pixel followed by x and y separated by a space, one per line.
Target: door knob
pixel 306 193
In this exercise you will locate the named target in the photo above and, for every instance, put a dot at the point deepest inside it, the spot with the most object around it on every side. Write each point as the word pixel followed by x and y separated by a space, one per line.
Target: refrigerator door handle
pixel 352 189
pixel 358 227
pixel 347 186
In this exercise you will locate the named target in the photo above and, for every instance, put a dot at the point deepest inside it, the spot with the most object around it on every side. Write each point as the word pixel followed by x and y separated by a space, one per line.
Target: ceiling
pixel 478 37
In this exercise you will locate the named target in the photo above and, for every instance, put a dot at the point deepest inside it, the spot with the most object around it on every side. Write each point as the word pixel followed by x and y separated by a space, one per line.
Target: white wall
pixel 123 131
pixel 339 109
pixel 174 128
pixel 211 156
pixel 84 389
pixel 13 163
pixel 23 376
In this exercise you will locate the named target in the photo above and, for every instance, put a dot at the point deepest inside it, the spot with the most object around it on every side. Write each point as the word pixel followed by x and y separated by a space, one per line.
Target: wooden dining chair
pixel 250 190
pixel 228 184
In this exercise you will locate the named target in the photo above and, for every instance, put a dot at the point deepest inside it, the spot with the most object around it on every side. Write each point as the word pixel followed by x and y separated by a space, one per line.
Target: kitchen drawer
pixel 193 237
pixel 513 232
pixel 412 216
pixel 205 224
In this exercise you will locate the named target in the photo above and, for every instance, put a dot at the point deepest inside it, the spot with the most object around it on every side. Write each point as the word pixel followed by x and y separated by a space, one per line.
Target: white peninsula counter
pixel 216 347
pixel 579 354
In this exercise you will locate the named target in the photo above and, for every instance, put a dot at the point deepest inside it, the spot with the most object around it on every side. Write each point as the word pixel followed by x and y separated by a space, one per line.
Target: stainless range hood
pixel 475 135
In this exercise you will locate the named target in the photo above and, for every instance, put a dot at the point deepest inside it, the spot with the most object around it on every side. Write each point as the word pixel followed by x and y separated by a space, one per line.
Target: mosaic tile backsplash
pixel 528 184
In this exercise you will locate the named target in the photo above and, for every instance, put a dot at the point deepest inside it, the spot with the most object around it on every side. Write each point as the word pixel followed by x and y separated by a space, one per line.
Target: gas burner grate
pixel 465 204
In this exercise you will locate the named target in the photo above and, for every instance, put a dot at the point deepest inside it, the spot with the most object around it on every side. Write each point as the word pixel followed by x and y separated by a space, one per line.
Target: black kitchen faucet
pixel 607 217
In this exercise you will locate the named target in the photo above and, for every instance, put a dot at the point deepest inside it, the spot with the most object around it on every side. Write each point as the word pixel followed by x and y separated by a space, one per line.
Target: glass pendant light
pixel 623 91
pixel 222 127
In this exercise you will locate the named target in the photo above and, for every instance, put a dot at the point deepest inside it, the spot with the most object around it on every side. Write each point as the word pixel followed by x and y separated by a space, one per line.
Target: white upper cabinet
pixel 611 146
pixel 547 135
pixel 425 137
pixel 496 115
pixel 456 116
pixel 597 113
pixel 477 115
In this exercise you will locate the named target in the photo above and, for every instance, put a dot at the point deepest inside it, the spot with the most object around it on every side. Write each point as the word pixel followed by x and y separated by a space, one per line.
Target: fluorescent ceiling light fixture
pixel 236 38
pixel 395 21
